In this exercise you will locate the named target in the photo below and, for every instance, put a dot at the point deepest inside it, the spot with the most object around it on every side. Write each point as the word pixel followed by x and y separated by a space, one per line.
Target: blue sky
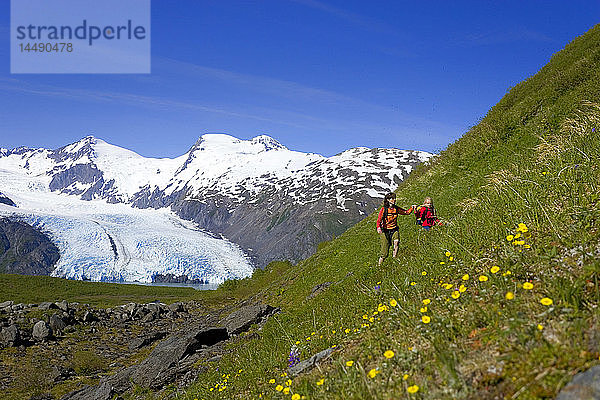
pixel 318 75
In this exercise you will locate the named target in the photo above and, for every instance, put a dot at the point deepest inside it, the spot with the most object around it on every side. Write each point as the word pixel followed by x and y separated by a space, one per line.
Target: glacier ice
pixel 99 241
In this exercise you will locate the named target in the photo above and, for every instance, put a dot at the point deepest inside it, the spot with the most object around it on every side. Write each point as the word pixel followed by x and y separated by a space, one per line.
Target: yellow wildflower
pixel 527 286
pixel 295 396
pixel 462 289
pixel 405 377
pixel 455 294
pixel 510 238
pixel 424 273
pixel 451 259
pixel 347 330
pixel 423 309
pixel 483 278
pixel 426 301
pixel 372 373
pixel 412 389
pixel 447 254
pixel 494 269
pixel 288 382
pixel 413 283
pixel 349 363
pixel 442 263
pixel 518 235
pixel 522 228
pixel 279 388
pixel 271 380
pixel 393 303
pixel 509 295
pixel 425 319
pixel 546 301
pixel 389 354
pixel 286 390
pixel 465 277
pixel 540 327
pixel 320 382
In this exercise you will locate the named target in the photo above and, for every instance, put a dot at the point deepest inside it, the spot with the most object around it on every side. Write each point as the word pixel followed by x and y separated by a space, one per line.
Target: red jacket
pixel 391 221
pixel 427 216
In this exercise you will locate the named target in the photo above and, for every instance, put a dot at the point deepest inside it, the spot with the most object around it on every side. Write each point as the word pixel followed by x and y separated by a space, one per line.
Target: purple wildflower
pixel 377 287
pixel 294 357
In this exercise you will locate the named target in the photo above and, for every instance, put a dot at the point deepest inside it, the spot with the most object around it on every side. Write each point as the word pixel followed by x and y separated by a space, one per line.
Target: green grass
pixel 531 160
pixel 36 289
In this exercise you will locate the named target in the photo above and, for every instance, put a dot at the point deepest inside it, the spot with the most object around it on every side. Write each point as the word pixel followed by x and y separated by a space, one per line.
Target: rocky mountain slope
pixel 275 203
pixel 25 250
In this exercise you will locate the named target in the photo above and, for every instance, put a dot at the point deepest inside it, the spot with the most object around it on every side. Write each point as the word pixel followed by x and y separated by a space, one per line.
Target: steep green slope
pixel 531 161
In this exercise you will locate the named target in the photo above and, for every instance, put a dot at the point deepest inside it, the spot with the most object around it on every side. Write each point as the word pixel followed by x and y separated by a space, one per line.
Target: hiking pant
pixel 387 239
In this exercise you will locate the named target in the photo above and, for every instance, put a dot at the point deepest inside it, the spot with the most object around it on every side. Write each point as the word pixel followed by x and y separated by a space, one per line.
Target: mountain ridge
pixel 253 192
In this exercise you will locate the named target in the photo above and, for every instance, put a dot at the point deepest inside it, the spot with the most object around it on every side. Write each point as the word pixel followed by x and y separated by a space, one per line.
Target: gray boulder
pixel 41 331
pixel 57 323
pixel 63 306
pixel 10 336
pixel 176 307
pixel 46 305
pixel 584 386
pixel 89 316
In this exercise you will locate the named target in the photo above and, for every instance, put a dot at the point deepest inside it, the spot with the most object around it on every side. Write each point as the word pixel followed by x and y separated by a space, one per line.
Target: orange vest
pixel 391 220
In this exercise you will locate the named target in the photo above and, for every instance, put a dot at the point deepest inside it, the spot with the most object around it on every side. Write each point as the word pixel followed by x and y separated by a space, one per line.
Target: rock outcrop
pixel 25 250
pixel 583 386
pixel 5 200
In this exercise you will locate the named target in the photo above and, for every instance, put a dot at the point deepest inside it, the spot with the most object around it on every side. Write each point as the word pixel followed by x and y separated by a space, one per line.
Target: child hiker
pixel 426 216
pixel 387 225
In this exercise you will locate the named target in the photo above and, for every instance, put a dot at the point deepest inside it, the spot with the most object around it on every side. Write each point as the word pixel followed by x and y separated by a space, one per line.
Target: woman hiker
pixel 387 225
pixel 426 216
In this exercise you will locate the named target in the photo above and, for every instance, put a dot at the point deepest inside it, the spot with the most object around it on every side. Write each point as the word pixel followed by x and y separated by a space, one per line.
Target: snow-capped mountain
pixel 274 202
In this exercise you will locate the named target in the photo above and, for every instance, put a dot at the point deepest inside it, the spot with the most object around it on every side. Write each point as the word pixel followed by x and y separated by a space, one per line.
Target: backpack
pixel 418 214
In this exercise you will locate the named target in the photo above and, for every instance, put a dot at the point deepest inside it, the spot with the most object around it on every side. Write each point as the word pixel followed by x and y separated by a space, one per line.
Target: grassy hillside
pixel 519 193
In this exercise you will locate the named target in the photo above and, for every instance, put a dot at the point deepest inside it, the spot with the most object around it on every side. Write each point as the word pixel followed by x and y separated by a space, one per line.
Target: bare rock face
pixel 240 320
pixel 584 386
pixel 174 359
pixel 25 250
pixel 5 200
pixel 158 369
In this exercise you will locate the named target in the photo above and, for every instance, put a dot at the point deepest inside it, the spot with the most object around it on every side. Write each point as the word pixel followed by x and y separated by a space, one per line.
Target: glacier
pixel 99 241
